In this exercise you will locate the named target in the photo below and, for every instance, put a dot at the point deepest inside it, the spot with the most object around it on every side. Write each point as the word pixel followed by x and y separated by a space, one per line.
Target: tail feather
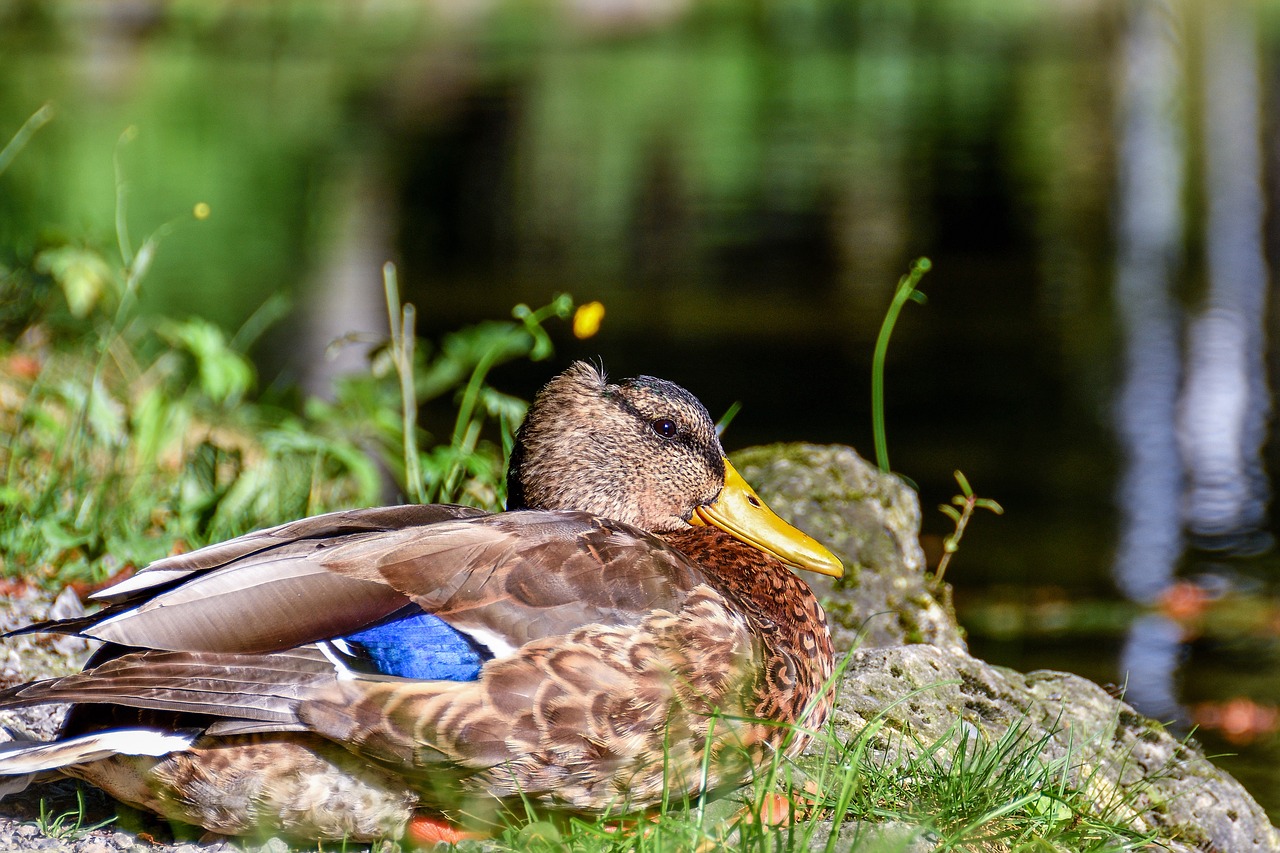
pixel 25 759
pixel 264 688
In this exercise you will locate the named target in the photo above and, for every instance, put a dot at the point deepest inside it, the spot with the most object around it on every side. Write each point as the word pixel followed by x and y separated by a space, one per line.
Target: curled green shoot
pixel 906 291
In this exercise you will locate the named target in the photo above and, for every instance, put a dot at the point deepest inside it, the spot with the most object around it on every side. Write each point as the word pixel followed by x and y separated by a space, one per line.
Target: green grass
pixel 966 793
pixel 70 825
pixel 908 290
pixel 959 793
pixel 121 445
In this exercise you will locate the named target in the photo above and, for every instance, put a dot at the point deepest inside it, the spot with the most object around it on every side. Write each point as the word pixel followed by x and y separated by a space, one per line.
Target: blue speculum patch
pixel 419 645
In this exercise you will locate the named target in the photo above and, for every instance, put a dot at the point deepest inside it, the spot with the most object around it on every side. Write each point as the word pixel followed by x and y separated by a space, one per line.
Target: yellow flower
pixel 586 320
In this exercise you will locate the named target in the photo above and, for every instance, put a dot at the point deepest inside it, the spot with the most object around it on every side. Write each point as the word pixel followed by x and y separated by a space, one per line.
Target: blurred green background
pixel 741 185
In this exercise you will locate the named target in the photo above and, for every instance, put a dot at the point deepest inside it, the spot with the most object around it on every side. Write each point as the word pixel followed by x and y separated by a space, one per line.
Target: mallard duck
pixel 629 626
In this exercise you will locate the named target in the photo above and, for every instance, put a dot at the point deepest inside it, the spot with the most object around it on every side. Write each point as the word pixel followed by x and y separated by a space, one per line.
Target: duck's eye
pixel 665 427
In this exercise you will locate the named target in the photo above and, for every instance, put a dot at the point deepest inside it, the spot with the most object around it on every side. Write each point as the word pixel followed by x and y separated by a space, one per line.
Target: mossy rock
pixel 1130 768
pixel 871 520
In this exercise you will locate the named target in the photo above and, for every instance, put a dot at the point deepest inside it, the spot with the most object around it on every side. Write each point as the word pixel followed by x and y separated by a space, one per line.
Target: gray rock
pixel 871 521
pixel 1122 760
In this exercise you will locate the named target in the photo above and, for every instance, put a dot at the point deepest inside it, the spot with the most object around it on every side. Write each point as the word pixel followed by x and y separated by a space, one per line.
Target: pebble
pixel 274 845
pixel 96 846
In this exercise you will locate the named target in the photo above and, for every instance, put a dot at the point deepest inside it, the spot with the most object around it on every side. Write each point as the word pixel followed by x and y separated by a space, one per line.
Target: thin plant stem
pixel 403 319
pixel 968 502
pixel 122 192
pixel 953 541
pixel 38 119
pixel 906 290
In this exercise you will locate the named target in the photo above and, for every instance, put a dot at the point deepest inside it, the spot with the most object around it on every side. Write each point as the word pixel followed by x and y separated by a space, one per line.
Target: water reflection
pixel 1150 224
pixel 1151 655
pixel 1226 401
pixel 1191 420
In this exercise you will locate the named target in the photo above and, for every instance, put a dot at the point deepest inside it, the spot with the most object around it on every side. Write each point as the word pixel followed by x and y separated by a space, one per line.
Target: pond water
pixel 742 187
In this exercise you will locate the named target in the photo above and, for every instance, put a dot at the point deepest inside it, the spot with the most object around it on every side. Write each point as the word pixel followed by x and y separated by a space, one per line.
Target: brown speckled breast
pixel 784 615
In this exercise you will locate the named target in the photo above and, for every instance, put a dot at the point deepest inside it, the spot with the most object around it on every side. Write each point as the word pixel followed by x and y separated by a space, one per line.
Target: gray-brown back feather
pixel 516 575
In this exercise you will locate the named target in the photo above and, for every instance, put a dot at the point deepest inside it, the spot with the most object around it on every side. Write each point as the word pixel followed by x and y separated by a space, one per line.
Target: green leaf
pixel 84 276
pixel 106 416
pixel 502 406
pixel 540 833
pixel 1050 807
pixel 57 535
pixel 225 375
pixel 142 261
pixel 156 421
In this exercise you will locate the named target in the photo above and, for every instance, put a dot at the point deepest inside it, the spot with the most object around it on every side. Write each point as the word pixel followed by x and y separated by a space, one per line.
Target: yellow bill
pixel 739 512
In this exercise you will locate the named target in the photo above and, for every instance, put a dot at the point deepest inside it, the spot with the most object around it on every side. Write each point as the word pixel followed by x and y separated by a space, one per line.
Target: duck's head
pixel 643 451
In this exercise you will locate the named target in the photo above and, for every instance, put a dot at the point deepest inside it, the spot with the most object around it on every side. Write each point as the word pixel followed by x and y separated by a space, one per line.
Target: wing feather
pixel 535 574
pixel 511 577
pixel 331 525
pixel 270 605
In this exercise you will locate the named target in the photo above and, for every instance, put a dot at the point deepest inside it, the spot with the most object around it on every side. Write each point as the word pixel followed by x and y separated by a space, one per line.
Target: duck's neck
pixel 782 611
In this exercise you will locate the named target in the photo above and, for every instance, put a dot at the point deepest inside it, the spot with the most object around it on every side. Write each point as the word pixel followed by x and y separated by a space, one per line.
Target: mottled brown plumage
pixel 625 638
